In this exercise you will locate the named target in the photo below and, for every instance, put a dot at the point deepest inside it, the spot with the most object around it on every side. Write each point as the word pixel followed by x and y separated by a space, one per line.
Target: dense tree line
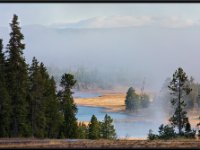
pixel 97 129
pixel 94 78
pixel 30 105
pixel 134 101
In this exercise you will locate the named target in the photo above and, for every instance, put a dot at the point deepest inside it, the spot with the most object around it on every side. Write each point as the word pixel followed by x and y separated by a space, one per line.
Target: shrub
pixel 190 134
pixel 166 132
pixel 152 136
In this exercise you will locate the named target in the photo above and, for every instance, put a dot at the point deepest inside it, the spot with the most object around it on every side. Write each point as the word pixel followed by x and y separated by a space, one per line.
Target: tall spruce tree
pixel 37 100
pixel 179 89
pixel 4 98
pixel 17 77
pixel 108 129
pixel 94 128
pixel 45 94
pixel 70 125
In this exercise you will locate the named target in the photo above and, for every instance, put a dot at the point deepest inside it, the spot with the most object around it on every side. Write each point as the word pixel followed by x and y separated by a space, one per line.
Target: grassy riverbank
pixel 111 101
pixel 114 101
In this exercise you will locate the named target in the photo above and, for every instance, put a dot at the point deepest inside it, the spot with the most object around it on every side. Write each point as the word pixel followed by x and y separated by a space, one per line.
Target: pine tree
pixel 17 77
pixel 70 125
pixel 132 100
pixel 101 131
pixel 94 128
pixel 45 115
pixel 192 99
pixel 82 131
pixel 145 102
pixel 179 89
pixel 193 94
pixel 52 114
pixel 45 95
pixel 5 107
pixel 187 125
pixel 37 100
pixel 54 117
pixel 108 129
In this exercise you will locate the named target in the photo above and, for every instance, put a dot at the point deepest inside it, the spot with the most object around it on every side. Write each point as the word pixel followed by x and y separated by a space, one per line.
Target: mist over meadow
pixel 129 54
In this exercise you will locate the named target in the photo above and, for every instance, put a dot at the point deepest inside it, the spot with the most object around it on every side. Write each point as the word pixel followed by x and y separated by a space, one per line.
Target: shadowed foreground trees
pixel 44 109
pixel 29 103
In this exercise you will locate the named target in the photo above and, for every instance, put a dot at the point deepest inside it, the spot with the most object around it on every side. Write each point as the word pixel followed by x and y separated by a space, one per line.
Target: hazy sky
pixel 159 37
pixel 106 15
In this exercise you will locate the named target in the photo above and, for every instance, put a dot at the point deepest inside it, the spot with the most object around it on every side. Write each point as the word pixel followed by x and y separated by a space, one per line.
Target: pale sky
pixel 105 15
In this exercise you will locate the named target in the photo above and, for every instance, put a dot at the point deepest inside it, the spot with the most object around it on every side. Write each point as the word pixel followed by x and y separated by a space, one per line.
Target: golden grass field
pixel 47 143
pixel 113 100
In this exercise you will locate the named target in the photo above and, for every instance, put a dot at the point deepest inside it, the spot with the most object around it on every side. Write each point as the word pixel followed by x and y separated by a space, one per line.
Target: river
pixel 127 125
